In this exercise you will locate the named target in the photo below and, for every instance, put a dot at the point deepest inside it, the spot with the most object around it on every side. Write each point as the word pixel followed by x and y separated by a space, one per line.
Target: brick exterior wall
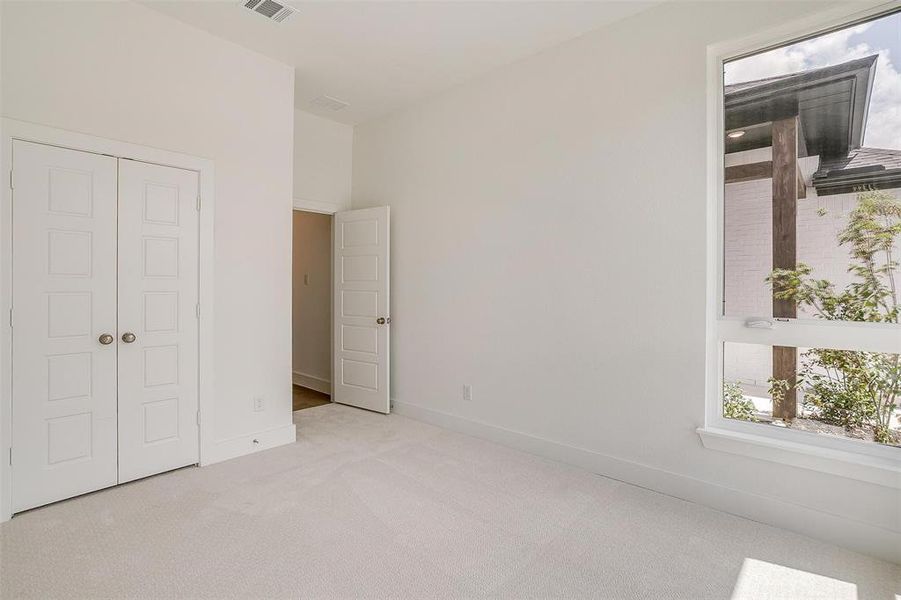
pixel 748 261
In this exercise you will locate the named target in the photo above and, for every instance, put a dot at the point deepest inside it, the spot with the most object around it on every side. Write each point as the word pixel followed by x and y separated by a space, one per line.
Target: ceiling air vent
pixel 271 10
pixel 330 103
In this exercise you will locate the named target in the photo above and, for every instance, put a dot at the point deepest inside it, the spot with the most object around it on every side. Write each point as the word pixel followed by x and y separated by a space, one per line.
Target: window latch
pixel 759 323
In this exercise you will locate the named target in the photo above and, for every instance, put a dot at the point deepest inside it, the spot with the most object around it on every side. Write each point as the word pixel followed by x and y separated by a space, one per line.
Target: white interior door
pixel 157 337
pixel 361 318
pixel 64 300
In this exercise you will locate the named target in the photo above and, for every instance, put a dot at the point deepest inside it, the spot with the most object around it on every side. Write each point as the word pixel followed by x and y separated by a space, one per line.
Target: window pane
pixel 813 177
pixel 842 393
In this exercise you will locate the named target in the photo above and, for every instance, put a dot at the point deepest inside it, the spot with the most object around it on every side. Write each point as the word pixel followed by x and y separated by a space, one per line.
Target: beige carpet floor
pixel 368 506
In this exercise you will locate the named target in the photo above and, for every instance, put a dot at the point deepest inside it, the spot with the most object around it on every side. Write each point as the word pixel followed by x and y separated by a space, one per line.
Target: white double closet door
pixel 104 327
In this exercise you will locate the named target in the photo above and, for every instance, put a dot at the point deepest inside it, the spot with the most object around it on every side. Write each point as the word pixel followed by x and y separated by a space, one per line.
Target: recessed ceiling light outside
pixel 736 134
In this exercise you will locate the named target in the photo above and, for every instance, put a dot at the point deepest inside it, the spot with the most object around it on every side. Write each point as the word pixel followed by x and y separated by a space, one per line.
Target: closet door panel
pixel 158 291
pixel 64 300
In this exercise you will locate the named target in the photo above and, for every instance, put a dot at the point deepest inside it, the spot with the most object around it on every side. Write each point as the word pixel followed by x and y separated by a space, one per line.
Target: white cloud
pixel 884 122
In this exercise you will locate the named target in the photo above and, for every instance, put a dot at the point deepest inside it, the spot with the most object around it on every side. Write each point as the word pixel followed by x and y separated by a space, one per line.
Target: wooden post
pixel 785 231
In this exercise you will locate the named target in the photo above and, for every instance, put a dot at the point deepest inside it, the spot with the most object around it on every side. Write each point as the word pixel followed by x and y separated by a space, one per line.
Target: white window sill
pixel 872 469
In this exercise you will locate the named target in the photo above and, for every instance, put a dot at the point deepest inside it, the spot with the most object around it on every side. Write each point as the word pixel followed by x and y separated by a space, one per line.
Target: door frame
pixel 314 206
pixel 331 209
pixel 12 129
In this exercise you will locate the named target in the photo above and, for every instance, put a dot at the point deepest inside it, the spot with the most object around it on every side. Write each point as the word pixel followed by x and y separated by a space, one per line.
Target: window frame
pixel 768 442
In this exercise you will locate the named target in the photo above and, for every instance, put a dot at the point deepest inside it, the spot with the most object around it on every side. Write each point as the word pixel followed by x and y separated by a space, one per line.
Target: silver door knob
pixel 128 337
pixel 106 339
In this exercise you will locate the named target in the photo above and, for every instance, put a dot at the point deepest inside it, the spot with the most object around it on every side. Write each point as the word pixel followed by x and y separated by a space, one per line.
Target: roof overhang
pixel 831 103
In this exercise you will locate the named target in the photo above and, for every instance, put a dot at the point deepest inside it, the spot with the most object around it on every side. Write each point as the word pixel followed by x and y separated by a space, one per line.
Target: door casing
pixel 12 129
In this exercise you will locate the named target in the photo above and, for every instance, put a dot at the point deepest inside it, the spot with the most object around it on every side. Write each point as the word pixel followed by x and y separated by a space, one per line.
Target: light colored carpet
pixel 368 506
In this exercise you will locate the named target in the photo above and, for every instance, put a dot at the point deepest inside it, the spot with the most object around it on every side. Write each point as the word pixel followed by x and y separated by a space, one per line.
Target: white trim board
pixel 855 535
pixel 314 383
pixel 316 206
pixel 853 465
pixel 249 443
pixel 11 129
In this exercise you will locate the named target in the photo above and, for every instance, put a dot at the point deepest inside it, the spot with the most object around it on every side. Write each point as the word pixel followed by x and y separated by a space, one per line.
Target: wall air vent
pixel 276 11
pixel 330 103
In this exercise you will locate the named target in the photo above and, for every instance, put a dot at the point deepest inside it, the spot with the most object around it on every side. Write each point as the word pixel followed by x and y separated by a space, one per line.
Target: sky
pixel 882 37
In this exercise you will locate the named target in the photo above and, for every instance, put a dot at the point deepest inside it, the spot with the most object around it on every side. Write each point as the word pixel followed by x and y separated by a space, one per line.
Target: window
pixel 806 334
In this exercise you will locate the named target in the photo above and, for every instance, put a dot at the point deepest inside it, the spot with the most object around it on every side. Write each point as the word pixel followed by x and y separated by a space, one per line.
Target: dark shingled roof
pixel 862 159
pixel 862 168
pixel 735 88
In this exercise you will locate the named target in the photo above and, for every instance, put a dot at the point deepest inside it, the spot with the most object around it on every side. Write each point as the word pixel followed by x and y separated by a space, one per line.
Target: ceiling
pixel 381 56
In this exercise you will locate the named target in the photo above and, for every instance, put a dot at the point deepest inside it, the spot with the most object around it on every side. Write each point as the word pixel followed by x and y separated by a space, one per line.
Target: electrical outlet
pixel 259 404
pixel 467 393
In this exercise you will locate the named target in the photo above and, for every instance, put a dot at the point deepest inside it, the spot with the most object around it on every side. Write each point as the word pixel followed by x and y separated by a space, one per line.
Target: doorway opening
pixel 340 308
pixel 311 310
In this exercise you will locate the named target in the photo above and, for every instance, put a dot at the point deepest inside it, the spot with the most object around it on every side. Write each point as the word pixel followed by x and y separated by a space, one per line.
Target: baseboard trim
pixel 861 537
pixel 314 383
pixel 250 443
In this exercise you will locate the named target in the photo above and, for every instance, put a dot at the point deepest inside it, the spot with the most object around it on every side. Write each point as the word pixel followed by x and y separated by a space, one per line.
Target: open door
pixel 361 318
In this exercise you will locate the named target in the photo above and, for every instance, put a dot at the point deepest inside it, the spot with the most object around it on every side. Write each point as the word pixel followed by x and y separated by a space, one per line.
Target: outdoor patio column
pixel 785 199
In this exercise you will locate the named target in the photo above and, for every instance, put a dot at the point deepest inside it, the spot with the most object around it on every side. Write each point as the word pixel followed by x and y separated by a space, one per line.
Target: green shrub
pixel 735 405
pixel 846 387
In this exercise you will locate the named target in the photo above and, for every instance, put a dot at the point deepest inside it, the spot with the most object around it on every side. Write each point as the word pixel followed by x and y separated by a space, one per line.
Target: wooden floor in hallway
pixel 307 398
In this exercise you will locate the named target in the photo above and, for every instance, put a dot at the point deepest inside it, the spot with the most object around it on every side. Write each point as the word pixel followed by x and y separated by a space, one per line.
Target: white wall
pixel 312 312
pixel 323 152
pixel 549 249
pixel 123 71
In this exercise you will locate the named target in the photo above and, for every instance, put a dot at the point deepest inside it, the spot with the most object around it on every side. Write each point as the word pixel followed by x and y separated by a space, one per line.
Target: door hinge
pixel 10 456
pixel 10 318
pixel 12 184
pixel 198 202
pixel 197 310
pixel 198 418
